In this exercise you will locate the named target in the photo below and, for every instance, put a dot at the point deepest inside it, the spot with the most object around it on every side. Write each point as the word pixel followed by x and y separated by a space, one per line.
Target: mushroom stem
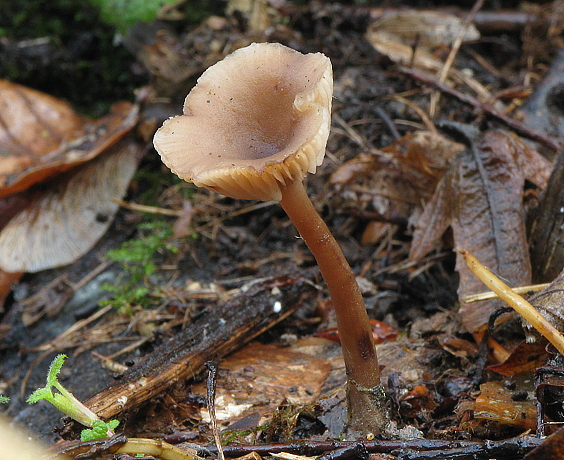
pixel 367 411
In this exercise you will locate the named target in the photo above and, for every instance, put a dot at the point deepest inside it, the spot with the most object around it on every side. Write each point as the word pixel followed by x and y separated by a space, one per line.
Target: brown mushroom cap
pixel 256 121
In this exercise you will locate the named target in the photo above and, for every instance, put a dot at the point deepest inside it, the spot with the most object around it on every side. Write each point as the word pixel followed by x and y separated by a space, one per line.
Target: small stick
pixel 408 449
pixel 518 303
pixel 492 295
pixel 210 386
pixel 486 108
pixel 453 52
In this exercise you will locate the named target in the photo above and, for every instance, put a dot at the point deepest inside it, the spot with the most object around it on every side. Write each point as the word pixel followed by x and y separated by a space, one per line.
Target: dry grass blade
pixel 515 301
pixel 492 295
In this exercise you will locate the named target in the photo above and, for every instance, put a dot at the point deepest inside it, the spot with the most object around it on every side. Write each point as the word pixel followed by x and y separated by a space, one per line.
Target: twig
pixel 58 343
pixel 492 295
pixel 453 52
pixel 415 449
pixel 210 387
pixel 518 303
pixel 486 108
pixel 380 112
pixel 215 333
pixel 148 209
pixel 419 111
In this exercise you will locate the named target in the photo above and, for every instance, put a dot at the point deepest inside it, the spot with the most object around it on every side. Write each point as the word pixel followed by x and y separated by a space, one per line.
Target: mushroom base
pixel 367 410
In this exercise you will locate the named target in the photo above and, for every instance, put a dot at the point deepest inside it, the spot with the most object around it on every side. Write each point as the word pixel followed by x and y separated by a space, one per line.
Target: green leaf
pixel 55 369
pixel 99 430
pixel 39 394
pixel 3 399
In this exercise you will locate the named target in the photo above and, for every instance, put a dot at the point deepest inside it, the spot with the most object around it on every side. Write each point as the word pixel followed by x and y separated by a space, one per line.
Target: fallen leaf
pixel 31 124
pixel 551 447
pixel 495 403
pixel 423 158
pixel 457 347
pixel 428 28
pixel 525 358
pixel 550 303
pixel 392 184
pixel 405 52
pixel 6 281
pixel 381 332
pixel 260 377
pixel 69 214
pixel 480 198
pixel 547 229
pixel 41 136
pixel 53 209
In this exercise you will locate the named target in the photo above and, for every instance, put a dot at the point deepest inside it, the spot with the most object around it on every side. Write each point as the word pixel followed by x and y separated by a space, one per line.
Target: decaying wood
pixel 210 337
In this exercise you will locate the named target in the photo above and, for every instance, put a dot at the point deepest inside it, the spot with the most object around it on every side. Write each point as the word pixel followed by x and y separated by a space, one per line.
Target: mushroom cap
pixel 255 122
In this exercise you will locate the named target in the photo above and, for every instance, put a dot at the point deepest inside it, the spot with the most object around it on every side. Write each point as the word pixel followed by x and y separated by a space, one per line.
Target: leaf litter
pixel 383 184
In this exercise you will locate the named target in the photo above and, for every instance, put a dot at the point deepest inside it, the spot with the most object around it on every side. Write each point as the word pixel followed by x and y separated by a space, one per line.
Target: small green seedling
pixel 99 430
pixel 65 401
pixel 3 399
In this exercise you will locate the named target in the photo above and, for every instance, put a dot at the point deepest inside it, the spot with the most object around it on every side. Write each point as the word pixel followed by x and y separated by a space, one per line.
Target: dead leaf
pixel 550 303
pixel 405 52
pixel 41 136
pixel 525 358
pixel 31 124
pixel 423 157
pixel 547 229
pixel 419 159
pixel 6 281
pixel 381 332
pixel 495 403
pixel 428 28
pixel 394 183
pixel 480 198
pixel 67 218
pixel 53 210
pixel 260 377
pixel 456 346
pixel 552 447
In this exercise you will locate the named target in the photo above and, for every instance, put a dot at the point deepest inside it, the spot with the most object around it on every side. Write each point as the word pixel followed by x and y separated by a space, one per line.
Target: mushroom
pixel 253 126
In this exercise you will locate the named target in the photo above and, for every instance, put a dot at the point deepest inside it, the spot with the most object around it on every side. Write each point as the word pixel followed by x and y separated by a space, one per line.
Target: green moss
pixel 138 261
pixel 126 13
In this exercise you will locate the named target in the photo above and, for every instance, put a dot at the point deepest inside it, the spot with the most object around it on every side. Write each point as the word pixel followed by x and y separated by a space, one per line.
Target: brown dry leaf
pixel 393 183
pixel 495 404
pixel 54 210
pixel 552 447
pixel 525 358
pixel 71 212
pixel 260 377
pixel 550 303
pixel 31 124
pixel 428 28
pixel 6 281
pixel 41 136
pixel 423 157
pixel 405 50
pixel 480 198
pixel 456 346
